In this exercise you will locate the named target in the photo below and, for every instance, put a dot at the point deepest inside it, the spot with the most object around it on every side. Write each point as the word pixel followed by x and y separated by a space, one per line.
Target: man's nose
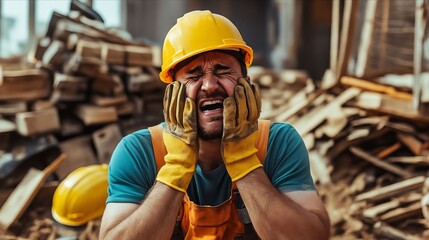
pixel 210 83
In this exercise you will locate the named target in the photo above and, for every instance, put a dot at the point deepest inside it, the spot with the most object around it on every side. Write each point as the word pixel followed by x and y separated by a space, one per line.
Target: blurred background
pixel 279 32
pixel 351 76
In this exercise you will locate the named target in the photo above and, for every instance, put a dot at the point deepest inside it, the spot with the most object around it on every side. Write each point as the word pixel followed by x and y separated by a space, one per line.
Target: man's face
pixel 209 79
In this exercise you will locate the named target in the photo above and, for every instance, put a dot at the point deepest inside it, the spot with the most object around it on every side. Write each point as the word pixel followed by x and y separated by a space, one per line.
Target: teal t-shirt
pixel 132 169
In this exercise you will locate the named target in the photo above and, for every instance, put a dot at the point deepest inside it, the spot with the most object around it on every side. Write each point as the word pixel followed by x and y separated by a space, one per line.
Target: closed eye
pixel 193 78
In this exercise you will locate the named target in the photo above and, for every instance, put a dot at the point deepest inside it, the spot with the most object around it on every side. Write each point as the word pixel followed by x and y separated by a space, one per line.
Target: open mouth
pixel 211 105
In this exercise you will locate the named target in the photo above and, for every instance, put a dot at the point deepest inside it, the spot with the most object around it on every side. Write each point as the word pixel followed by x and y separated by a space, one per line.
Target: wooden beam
pixel 389 232
pixel 374 87
pixel 24 193
pixel 315 117
pixel 347 41
pixel 380 163
pixel 419 31
pixel 389 150
pixel 392 190
pixel 401 213
pixel 412 143
pixel 335 29
pixel 366 37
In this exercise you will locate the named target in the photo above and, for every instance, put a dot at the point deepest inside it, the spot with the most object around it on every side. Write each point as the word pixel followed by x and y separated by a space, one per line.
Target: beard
pixel 210 134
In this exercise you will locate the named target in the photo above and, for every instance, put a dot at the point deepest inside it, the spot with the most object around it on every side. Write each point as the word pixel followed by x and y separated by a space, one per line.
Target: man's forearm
pixel 275 215
pixel 160 208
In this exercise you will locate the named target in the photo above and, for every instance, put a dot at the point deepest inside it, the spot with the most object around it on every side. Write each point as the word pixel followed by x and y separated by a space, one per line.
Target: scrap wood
pixel 411 142
pixel 385 230
pixel 392 189
pixel 22 196
pixel 384 104
pixel 105 140
pixel 417 160
pixel 374 211
pixel 335 123
pixel 407 128
pixel 401 213
pixel 380 163
pixel 389 150
pixel 376 87
pixel 296 106
pixel 316 116
pixel 354 137
pixel 320 170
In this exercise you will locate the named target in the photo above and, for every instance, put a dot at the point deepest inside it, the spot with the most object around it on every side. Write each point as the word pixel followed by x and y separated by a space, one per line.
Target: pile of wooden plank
pixel 67 103
pixel 368 149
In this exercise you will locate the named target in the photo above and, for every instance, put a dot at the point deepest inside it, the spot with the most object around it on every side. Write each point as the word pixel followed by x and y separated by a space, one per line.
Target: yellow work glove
pixel 240 130
pixel 180 138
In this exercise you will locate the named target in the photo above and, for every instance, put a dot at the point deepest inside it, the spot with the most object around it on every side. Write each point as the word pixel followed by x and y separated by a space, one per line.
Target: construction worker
pixel 223 173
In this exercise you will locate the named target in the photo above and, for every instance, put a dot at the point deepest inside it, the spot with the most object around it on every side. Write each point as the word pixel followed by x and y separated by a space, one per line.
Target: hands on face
pixel 240 133
pixel 240 130
pixel 180 138
pixel 180 114
pixel 241 112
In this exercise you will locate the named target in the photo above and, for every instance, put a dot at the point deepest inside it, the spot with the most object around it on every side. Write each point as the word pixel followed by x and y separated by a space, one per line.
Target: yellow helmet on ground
pixel 197 32
pixel 81 196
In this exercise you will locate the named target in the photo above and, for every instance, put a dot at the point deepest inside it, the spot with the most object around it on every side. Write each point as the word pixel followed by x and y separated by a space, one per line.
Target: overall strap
pixel 262 142
pixel 160 151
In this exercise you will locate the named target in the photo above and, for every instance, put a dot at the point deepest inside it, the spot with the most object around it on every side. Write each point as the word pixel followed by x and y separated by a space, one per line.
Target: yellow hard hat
pixel 197 32
pixel 81 196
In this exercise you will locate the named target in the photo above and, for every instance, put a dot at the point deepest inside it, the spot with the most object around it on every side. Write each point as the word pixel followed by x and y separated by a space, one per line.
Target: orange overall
pixel 230 219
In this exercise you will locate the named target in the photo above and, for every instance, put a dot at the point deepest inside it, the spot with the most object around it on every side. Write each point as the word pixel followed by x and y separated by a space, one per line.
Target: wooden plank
pixel 351 9
pixel 366 37
pixel 412 143
pixel 389 150
pixel 400 213
pixel 113 53
pixel 105 141
pixel 400 108
pixel 315 117
pixel 374 87
pixel 335 123
pixel 12 108
pixel 419 31
pixel 392 190
pixel 93 115
pixel 419 160
pixel 6 126
pixel 83 157
pixel 377 210
pixel 38 122
pixel 24 193
pixel 380 163
pixel 69 88
pixel 389 232
pixel 319 168
pixel 287 111
pixel 384 30
pixel 28 84
pixel 335 29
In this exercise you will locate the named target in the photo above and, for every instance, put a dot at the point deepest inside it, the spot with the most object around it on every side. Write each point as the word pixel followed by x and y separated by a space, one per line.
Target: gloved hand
pixel 240 130
pixel 180 138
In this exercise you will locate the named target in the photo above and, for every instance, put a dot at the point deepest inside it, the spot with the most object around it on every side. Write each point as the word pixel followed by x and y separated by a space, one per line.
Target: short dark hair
pixel 239 55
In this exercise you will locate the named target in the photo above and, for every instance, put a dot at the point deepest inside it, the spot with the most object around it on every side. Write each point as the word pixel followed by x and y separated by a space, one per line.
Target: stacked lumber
pixel 368 150
pixel 66 104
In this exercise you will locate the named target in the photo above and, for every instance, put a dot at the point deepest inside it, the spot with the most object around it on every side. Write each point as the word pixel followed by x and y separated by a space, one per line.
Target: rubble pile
pixel 66 104
pixel 368 149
